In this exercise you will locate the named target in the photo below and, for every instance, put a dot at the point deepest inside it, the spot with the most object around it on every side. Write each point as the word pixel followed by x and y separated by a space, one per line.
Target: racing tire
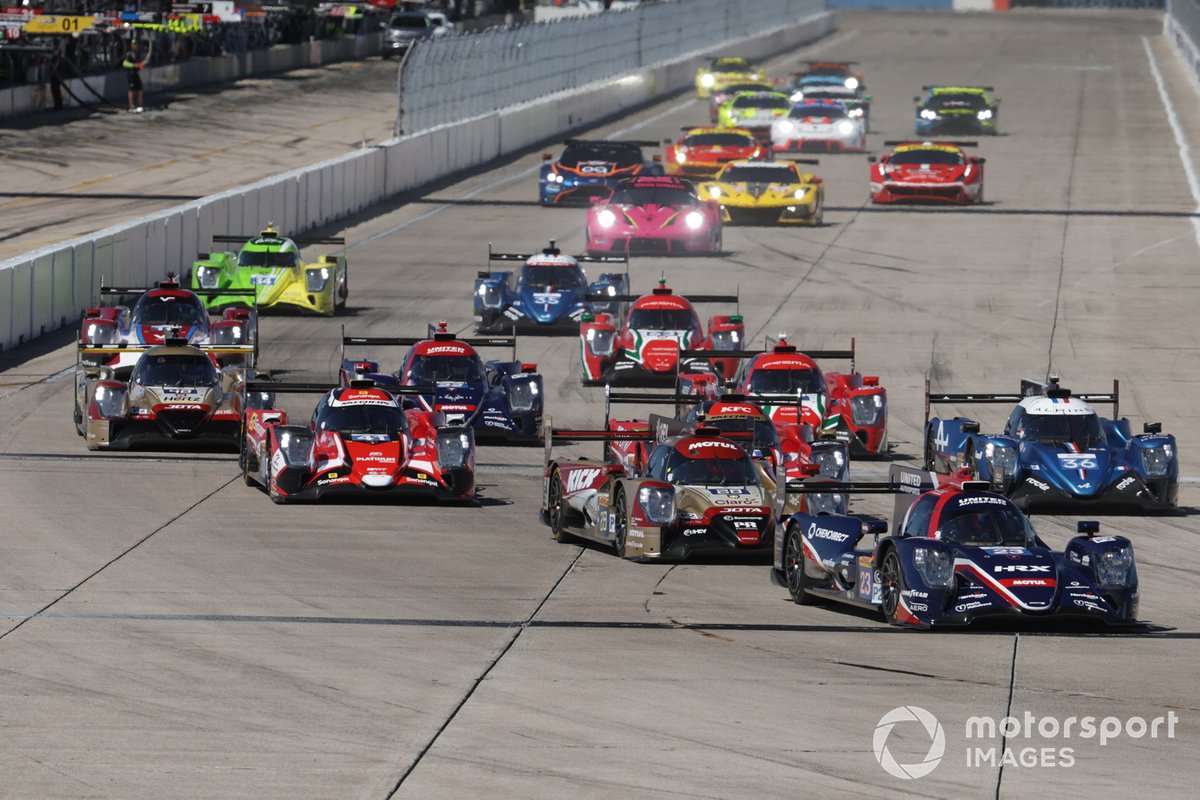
pixel 77 415
pixel 244 457
pixel 556 510
pixel 969 459
pixel 928 454
pixel 819 214
pixel 891 578
pixel 621 525
pixel 793 566
pixel 343 294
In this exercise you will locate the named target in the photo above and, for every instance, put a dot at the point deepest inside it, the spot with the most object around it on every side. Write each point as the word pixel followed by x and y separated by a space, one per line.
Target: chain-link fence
pixel 458 77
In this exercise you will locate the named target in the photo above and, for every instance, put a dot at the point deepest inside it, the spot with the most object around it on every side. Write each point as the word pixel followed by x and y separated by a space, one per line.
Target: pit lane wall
pixel 46 289
pixel 1182 25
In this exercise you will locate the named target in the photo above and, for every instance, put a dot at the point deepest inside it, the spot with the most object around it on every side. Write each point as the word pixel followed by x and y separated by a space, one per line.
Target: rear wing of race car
pixel 954 86
pixel 225 238
pixel 824 355
pixel 612 398
pixel 904 483
pixel 948 142
pixel 617 142
pixel 560 435
pixel 1029 388
pixel 95 370
pixel 435 333
pixel 553 250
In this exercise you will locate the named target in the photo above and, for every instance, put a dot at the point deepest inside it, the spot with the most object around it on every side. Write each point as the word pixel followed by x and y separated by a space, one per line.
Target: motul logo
pixel 1046 582
pixel 1022 568
pixel 581 479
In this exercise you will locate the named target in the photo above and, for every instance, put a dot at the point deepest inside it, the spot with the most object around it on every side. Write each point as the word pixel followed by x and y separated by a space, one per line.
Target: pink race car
pixel 654 215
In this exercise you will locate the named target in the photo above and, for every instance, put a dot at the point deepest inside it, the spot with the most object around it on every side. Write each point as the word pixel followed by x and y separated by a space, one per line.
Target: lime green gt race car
pixel 272 266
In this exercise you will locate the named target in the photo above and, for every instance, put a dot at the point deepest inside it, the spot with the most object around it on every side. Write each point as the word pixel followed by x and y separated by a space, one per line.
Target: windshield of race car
pixel 621 155
pixel 731 64
pixel 1080 429
pixel 761 101
pixel 170 311
pixel 994 526
pixel 787 381
pixel 458 369
pixel 766 173
pixel 719 140
pixel 266 258
pixel 644 196
pixel 928 155
pixel 763 436
pixel 176 370
pixel 975 102
pixel 375 418
pixel 684 471
pixel 409 21
pixel 540 278
pixel 663 319
pixel 833 112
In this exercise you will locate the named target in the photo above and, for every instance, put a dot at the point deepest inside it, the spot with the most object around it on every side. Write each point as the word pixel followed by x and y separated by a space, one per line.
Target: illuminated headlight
pixel 725 340
pixel 799 195
pixel 927 114
pixel 108 402
pixel 606 218
pixel 866 408
pixel 658 504
pixel 757 76
pixel 786 126
pixel 455 447
pixel 845 128
pixel 1156 461
pixel 295 449
pixel 1002 458
pixel 855 112
pixel 680 157
pixel 936 566
pixel 707 80
pixel 611 290
pixel 851 83
pixel 521 395
pixel 714 191
pixel 315 280
pixel 600 341
pixel 101 334
pixel 985 114
pixel 826 503
pixel 208 277
pixel 489 295
pixel 797 97
pixel 830 460
pixel 227 334
pixel 557 177
pixel 694 220
pixel 1115 567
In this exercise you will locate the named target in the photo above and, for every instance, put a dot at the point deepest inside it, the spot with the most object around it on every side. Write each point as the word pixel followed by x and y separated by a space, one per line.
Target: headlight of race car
pixel 985 114
pixel 208 277
pixel 797 97
pixel 227 334
pixel 296 447
pixel 489 295
pixel 657 503
pixel 707 79
pixel 109 401
pixel 1156 461
pixel 866 408
pixel 455 447
pixel 851 83
pixel 315 280
pixel 600 341
pixel 714 191
pixel 799 193
pixel 606 218
pixel 830 460
pixel 1115 567
pixel 786 126
pixel 694 220
pixel 825 503
pixel 100 334
pixel 935 565
pixel 522 394
pixel 927 114
pixel 855 112
pixel 845 127
pixel 681 156
pixel 725 340
pixel 1002 458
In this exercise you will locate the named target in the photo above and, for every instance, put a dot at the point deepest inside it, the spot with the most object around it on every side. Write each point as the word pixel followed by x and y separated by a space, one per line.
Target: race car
pixel 847 405
pixel 722 72
pixel 701 152
pixel 957 554
pixel 660 215
pixel 501 401
pixel 767 192
pixel 956 111
pixel 548 295
pixel 724 95
pixel 700 492
pixel 1056 452
pixel 645 346
pixel 829 76
pixel 270 265
pixel 754 111
pixel 927 172
pixel 362 440
pixel 175 394
pixel 592 168
pixel 823 125
pixel 166 311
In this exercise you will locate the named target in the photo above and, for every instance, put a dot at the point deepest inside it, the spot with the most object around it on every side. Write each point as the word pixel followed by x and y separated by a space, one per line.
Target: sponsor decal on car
pixel 814 532
pixel 580 479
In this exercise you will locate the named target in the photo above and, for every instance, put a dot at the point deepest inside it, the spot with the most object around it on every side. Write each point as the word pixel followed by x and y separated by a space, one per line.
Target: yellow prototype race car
pixel 767 192
pixel 724 71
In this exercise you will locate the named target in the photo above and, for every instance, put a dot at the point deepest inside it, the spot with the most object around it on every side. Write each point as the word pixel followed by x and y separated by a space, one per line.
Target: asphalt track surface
pixel 168 632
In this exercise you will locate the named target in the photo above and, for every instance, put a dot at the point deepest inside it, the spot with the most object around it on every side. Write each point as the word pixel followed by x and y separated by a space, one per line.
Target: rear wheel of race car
pixel 891 579
pixel 929 458
pixel 621 525
pixel 343 292
pixel 78 417
pixel 793 565
pixel 556 509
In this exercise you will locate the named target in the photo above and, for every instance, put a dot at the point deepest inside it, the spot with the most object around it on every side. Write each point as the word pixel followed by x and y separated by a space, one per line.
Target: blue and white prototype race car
pixel 958 554
pixel 549 294
pixel 1055 451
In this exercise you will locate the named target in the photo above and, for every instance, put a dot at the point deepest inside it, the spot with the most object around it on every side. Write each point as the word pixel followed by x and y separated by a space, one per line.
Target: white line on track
pixel 1180 140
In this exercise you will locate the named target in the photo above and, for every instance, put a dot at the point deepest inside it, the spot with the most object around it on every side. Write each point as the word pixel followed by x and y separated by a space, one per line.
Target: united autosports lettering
pixel 974 501
pixel 446 348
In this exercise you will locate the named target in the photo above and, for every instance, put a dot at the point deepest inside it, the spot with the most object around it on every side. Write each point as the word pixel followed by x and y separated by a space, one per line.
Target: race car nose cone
pixel 660 355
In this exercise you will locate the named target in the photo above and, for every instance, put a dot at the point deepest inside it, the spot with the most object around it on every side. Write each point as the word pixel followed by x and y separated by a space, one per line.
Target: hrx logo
pixel 1023 568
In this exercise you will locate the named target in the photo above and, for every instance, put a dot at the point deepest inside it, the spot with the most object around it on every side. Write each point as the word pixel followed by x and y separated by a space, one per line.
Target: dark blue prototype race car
pixel 549 294
pixel 1056 451
pixel 502 400
pixel 957 555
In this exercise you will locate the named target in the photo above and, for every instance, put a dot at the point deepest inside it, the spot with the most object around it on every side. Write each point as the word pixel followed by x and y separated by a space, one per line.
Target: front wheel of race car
pixel 891 579
pixel 621 525
pixel 793 565
pixel 556 509
pixel 819 211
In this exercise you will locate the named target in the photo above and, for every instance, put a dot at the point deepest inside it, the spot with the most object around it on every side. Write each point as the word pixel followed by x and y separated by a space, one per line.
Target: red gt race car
pixel 701 152
pixel 654 215
pixel 927 172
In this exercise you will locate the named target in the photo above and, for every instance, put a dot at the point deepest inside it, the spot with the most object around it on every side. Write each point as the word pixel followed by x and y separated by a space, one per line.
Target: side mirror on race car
pixel 546 157
pixel 1088 527
pixel 597 200
pixel 874 525
pixel 528 368
pixel 872 159
pixel 810 469
pixel 977 160
pixel 970 426
pixel 1152 427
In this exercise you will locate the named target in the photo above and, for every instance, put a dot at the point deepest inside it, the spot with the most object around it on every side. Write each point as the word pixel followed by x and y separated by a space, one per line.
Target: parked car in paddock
pixel 958 554
pixel 927 172
pixel 362 440
pixel 658 215
pixel 501 401
pixel 1055 452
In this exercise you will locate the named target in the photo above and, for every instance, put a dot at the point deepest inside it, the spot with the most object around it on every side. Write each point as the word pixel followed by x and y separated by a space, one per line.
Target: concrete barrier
pixel 140 252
